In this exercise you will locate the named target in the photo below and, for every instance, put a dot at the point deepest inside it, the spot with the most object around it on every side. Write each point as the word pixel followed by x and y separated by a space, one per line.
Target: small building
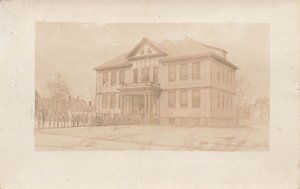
pixel 180 82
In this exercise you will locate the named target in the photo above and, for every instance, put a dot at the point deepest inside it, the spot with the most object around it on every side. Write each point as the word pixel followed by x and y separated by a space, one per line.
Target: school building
pixel 184 83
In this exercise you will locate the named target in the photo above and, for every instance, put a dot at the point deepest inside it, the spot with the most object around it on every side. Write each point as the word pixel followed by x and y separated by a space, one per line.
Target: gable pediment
pixel 145 49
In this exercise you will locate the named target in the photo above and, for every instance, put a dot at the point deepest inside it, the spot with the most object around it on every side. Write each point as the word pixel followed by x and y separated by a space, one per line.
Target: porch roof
pixel 140 88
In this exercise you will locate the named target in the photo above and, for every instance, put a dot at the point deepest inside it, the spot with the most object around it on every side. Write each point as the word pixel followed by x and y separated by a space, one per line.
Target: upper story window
pixel 105 78
pixel 135 76
pixel 149 51
pixel 122 77
pixel 232 101
pixel 104 101
pixel 172 99
pixel 196 71
pixel 183 99
pixel 112 101
pixel 155 74
pixel 113 78
pixel 227 101
pixel 145 74
pixel 183 71
pixel 223 101
pixel 196 98
pixel 172 72
pixel 219 101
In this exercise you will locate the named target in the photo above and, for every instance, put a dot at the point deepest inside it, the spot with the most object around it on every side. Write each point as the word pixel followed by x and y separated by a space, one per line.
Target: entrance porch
pixel 141 102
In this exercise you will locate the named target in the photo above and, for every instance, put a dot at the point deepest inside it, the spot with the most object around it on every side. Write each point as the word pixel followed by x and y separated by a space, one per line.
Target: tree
pixel 59 93
pixel 245 108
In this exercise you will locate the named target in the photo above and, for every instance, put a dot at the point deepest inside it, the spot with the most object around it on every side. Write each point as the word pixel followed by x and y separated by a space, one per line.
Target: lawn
pixel 152 137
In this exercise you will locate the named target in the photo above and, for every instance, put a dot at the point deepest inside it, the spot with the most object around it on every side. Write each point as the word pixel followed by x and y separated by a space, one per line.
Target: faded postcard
pixel 142 95
pixel 152 86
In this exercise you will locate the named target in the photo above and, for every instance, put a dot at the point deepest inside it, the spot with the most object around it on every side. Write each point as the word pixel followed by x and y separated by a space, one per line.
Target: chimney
pixel 77 98
pixel 90 103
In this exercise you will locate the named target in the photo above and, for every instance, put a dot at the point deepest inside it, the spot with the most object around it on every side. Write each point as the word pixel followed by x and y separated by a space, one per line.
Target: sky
pixel 74 49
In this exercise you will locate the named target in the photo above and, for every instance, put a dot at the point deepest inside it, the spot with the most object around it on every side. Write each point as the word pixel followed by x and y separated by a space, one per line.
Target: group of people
pixel 50 120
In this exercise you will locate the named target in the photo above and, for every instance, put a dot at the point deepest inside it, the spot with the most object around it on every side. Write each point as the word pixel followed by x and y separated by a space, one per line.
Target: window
pixel 122 77
pixel 233 101
pixel 196 98
pixel 219 101
pixel 183 71
pixel 145 74
pixel 113 78
pixel 120 101
pixel 105 78
pixel 104 101
pixel 112 101
pixel 149 51
pixel 172 99
pixel 223 100
pixel 135 76
pixel 196 70
pixel 229 102
pixel 155 74
pixel 172 73
pixel 183 99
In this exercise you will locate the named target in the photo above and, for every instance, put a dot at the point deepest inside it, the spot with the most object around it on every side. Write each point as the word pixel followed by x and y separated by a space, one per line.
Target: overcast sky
pixel 74 49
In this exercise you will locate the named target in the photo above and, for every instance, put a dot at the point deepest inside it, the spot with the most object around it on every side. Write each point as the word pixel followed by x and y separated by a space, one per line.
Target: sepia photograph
pixel 141 95
pixel 152 86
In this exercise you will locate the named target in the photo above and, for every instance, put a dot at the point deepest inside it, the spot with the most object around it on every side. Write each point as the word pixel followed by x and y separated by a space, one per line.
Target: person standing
pixel 39 119
pixel 43 118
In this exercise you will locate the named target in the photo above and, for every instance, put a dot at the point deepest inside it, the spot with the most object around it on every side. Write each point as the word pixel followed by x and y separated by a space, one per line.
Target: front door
pixel 138 106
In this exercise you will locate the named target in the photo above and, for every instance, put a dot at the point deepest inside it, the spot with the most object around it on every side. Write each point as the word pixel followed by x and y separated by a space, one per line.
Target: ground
pixel 152 137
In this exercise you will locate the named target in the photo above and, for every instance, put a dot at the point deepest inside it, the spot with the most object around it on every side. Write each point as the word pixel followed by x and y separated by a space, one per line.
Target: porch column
pixel 126 104
pixel 149 106
pixel 158 106
pixel 145 106
pixel 122 104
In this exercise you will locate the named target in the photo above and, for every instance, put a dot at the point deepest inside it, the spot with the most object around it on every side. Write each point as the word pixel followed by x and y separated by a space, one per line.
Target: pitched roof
pixel 152 44
pixel 187 46
pixel 120 61
pixel 168 49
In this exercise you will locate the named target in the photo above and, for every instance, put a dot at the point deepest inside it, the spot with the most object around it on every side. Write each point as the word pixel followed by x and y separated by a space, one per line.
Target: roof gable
pixel 145 48
pixel 165 49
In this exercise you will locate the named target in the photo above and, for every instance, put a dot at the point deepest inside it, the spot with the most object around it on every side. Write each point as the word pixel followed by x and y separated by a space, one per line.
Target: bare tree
pixel 245 107
pixel 59 93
